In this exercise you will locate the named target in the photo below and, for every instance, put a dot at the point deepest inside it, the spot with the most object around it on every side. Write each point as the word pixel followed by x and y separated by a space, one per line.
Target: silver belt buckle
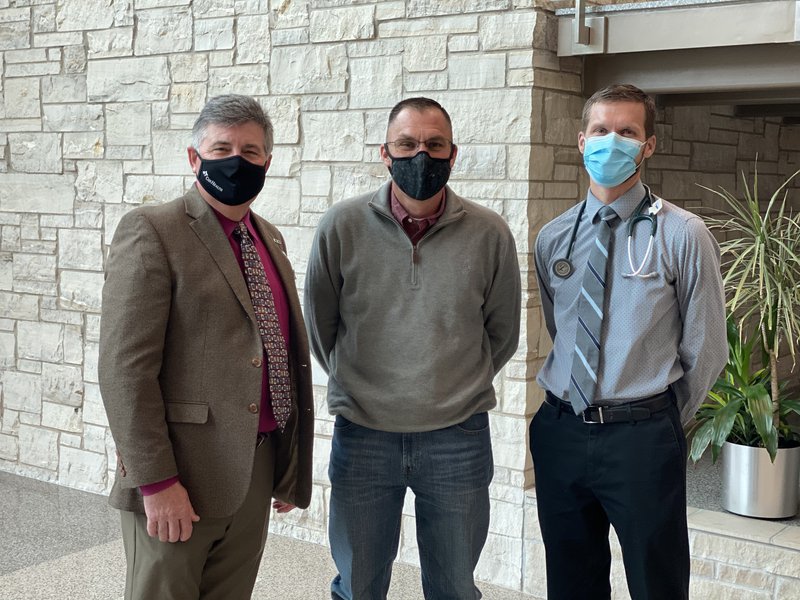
pixel 599 414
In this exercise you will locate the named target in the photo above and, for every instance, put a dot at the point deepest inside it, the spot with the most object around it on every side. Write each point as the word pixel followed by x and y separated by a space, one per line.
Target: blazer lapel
pixel 277 253
pixel 208 229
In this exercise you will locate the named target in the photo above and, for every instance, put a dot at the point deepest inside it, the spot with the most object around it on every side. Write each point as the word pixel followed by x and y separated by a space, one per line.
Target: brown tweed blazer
pixel 180 361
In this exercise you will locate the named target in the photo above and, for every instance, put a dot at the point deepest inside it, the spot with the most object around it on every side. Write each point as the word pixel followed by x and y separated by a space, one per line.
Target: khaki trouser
pixel 219 562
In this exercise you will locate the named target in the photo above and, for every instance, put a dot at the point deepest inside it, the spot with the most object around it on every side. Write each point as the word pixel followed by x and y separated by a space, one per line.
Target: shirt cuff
pixel 154 488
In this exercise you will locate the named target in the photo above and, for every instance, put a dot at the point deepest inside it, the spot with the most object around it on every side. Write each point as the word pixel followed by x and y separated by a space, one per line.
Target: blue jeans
pixel 449 471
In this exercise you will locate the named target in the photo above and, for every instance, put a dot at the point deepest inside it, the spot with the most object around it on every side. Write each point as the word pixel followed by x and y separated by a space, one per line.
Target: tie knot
pixel 241 231
pixel 608 216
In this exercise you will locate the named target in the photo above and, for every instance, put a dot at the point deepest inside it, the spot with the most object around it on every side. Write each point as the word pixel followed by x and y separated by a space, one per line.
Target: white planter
pixel 754 486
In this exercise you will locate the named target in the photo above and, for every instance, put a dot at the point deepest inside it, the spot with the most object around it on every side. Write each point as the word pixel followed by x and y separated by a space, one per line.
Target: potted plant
pixel 747 415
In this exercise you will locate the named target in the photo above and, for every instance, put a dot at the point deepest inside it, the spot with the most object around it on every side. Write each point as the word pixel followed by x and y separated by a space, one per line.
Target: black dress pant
pixel 631 475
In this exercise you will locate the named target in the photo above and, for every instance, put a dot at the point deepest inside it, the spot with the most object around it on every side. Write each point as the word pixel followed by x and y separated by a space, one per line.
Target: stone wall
pixel 98 98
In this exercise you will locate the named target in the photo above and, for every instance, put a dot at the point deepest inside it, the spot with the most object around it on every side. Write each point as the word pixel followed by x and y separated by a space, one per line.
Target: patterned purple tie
pixel 268 327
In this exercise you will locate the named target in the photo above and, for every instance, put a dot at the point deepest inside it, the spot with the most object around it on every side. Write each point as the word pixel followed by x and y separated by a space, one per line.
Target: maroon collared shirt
pixel 415 228
pixel 266 420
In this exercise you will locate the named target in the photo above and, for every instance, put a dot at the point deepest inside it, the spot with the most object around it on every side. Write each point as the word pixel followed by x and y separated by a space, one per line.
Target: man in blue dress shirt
pixel 637 344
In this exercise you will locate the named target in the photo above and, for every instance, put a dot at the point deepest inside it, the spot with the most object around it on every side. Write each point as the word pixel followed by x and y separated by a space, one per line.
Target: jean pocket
pixel 477 423
pixel 341 423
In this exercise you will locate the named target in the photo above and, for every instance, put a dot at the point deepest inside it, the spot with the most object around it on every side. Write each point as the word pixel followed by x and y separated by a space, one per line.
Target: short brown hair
pixel 420 105
pixel 229 110
pixel 623 92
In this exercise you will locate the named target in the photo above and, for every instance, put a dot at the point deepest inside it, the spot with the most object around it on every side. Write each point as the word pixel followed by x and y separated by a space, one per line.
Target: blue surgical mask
pixel 611 159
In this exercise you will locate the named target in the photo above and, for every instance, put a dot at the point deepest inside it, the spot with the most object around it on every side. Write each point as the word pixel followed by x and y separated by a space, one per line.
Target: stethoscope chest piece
pixel 562 268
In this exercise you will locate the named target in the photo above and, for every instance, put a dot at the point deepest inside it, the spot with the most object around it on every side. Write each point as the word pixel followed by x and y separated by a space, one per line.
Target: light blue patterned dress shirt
pixel 664 329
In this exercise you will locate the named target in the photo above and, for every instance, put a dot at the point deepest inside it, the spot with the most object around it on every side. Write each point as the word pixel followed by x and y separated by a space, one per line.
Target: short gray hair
pixel 229 110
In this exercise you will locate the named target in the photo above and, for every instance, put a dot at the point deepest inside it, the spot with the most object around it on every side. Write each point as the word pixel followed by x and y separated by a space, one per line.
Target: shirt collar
pixel 624 206
pixel 400 213
pixel 229 225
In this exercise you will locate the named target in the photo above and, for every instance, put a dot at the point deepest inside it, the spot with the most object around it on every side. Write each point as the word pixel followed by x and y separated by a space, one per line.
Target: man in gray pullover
pixel 413 302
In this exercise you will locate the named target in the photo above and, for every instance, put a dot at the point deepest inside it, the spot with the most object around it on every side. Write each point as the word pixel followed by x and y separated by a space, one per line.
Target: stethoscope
pixel 563 267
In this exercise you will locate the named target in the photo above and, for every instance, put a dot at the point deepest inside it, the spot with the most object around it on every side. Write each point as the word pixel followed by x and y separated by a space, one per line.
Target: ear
pixel 581 141
pixel 385 156
pixel 453 156
pixel 194 159
pixel 649 146
pixel 267 164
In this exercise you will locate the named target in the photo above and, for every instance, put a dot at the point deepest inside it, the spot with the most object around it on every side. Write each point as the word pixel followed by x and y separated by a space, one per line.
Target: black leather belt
pixel 638 410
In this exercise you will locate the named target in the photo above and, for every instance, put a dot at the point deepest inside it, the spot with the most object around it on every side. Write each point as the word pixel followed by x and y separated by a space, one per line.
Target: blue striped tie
pixel 586 359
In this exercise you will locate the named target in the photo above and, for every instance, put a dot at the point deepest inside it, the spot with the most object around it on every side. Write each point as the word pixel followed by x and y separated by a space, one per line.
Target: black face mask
pixel 420 176
pixel 233 180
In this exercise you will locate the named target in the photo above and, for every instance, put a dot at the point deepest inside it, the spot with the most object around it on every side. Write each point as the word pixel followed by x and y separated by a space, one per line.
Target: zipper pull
pixel 414 255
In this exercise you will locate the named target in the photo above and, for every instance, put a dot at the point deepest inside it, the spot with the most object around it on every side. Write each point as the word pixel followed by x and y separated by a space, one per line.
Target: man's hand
pixel 170 514
pixel 283 507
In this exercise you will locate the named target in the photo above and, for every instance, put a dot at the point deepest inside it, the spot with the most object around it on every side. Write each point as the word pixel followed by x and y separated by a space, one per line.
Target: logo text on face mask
pixel 211 181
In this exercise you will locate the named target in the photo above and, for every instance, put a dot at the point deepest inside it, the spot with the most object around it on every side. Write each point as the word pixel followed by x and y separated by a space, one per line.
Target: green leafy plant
pixel 761 266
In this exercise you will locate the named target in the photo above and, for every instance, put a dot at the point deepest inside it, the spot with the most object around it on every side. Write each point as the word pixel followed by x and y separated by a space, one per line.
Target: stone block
pixel 501 561
pixel 425 82
pixel 35 152
pixel 21 99
pixel 22 391
pixel 288 14
pixel 314 180
pixel 33 69
pixel 333 136
pixel 713 157
pixel 44 18
pixel 187 98
pixel 375 82
pixel 390 9
pixel 279 202
pixel 214 8
pixel 9 447
pixel 290 37
pixel 432 8
pixel 99 181
pixel 63 418
pixel 110 43
pixel 427 55
pixel 82 470
pixel 83 144
pixel 452 25
pixel 74 59
pixel 34 267
pixel 188 67
pixel 93 410
pixel 284 111
pixel 507 31
pixel 463 43
pixel 94 438
pixel 8 352
pixel 38 447
pixel 145 4
pixel 480 162
pixel 128 124
pixel 80 249
pixel 19 306
pixel 477 71
pixel 309 69
pixel 252 80
pixel 73 117
pixel 345 23
pixel 143 189
pixel 507 433
pixel 58 39
pixel 298 241
pixel 40 341
pixel 169 152
pixel 15 34
pixel 163 31
pixel 79 290
pixel 691 123
pixel 63 88
pixel 375 47
pixel 486 117
pixel 253 39
pixel 285 161
pixel 84 15
pixel 128 79
pixel 213 34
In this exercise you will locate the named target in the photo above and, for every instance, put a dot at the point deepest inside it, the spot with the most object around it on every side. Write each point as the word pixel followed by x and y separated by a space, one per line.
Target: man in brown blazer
pixel 204 371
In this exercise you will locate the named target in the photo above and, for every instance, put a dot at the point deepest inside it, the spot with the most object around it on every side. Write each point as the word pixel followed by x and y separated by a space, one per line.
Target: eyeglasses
pixel 410 146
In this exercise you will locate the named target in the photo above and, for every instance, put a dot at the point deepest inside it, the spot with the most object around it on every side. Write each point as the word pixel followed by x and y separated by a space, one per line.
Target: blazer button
pixel 256 362
pixel 253 408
